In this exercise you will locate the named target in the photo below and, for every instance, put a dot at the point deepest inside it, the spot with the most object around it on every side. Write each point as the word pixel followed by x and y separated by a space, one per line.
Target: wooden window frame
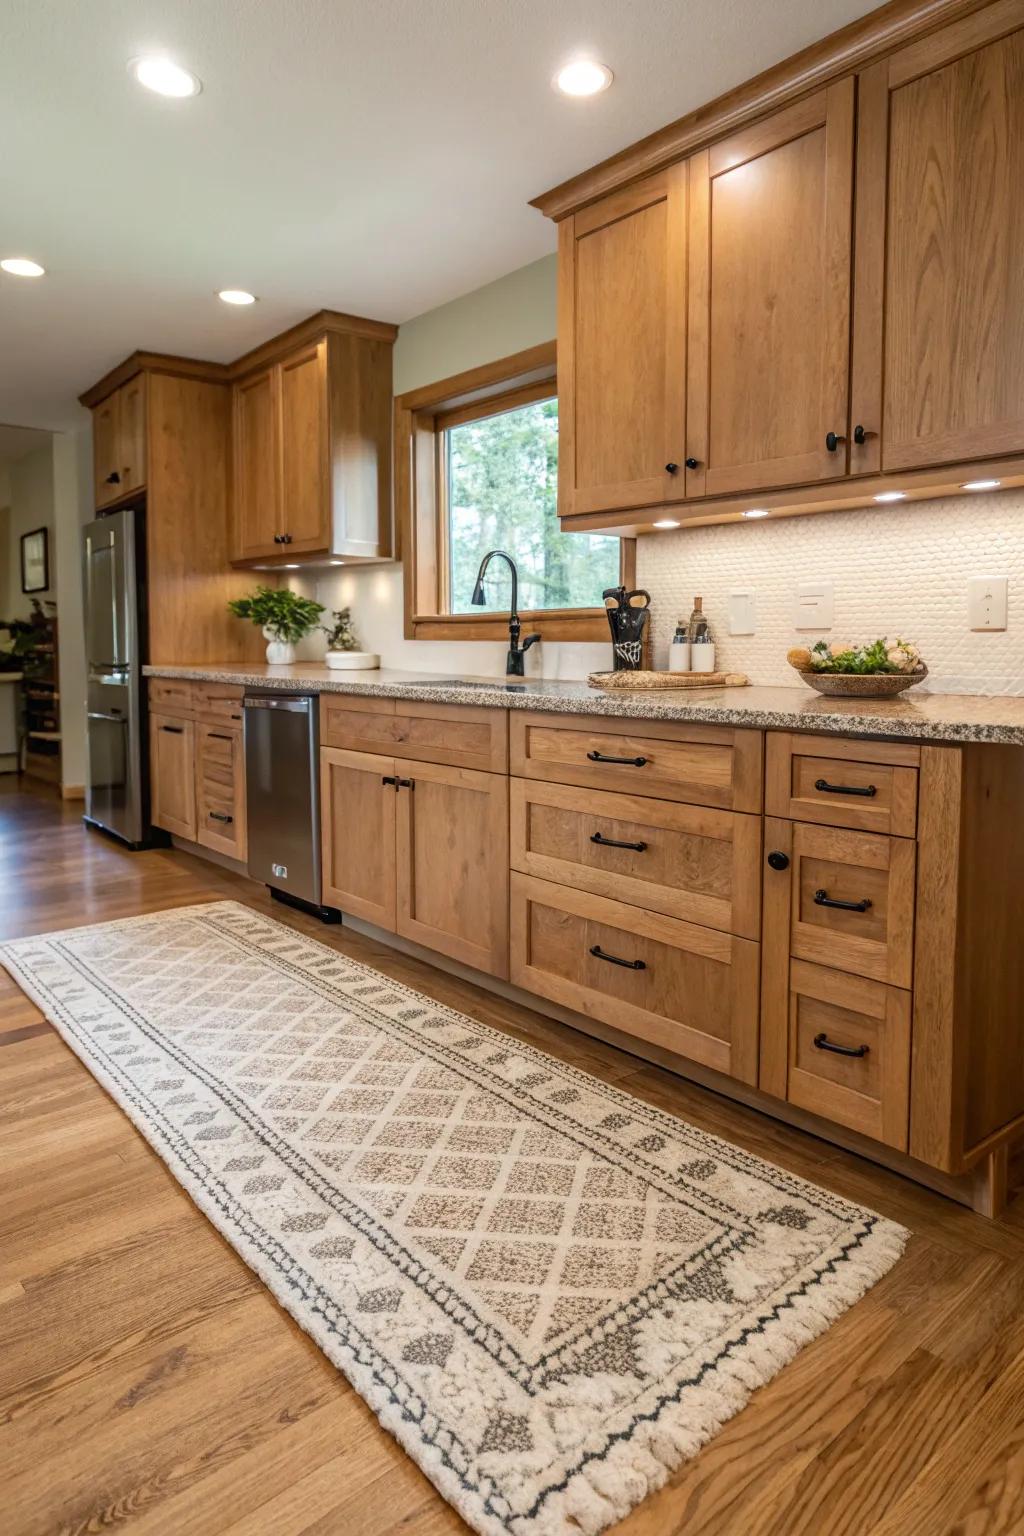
pixel 421 418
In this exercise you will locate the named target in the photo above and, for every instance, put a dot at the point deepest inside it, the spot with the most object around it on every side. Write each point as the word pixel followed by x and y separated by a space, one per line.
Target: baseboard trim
pixel 72 791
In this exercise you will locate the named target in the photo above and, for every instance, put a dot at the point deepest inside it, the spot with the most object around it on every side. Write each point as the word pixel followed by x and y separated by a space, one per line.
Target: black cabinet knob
pixel 671 469
pixel 113 478
pixel 860 436
pixel 778 860
pixel 692 463
pixel 286 538
pixel 832 440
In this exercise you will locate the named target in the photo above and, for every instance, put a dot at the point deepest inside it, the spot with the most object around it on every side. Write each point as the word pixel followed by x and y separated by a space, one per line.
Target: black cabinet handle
pixel 823 899
pixel 631 762
pixel 221 816
pixel 692 463
pixel 832 440
pixel 173 730
pixel 823 1043
pixel 861 435
pixel 286 538
pixel 867 790
pixel 113 478
pixel 220 736
pixel 778 860
pixel 405 783
pixel 389 778
pixel 671 469
pixel 630 965
pixel 277 538
pixel 611 842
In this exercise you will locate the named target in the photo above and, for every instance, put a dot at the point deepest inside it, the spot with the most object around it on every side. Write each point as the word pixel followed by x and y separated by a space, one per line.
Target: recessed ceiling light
pixel 891 496
pixel 757 512
pixel 666 522
pixel 980 485
pixel 584 77
pixel 236 296
pixel 20 266
pixel 164 77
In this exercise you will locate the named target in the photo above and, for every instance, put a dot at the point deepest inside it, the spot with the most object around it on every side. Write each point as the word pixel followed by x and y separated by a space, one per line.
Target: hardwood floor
pixel 148 1381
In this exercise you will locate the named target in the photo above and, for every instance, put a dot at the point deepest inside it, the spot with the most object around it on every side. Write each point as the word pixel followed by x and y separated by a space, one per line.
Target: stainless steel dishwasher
pixel 282 789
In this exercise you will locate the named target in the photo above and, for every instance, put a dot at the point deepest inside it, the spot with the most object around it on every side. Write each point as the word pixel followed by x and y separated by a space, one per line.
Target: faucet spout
pixel 514 661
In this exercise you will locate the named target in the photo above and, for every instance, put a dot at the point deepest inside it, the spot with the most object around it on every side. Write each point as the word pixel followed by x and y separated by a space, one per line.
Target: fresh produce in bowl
pixel 876 671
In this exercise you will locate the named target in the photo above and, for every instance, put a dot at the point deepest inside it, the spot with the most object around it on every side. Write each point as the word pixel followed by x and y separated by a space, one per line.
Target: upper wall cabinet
pixel 770 218
pixel 622 348
pixel 941 243
pixel 119 443
pixel 311 452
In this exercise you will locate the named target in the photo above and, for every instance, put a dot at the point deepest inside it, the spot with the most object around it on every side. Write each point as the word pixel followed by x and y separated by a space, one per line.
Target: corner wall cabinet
pixel 817 297
pixel 119 443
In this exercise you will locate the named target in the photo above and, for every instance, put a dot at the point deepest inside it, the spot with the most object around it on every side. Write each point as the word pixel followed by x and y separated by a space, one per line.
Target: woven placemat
pixel 641 682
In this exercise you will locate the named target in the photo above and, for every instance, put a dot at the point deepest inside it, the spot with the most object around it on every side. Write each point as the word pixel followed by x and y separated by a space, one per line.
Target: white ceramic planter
pixel 352 661
pixel 280 653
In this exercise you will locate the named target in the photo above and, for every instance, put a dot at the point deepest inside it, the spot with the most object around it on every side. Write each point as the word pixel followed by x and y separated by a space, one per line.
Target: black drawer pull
pixel 630 965
pixel 823 1043
pixel 823 899
pixel 611 842
pixel 631 762
pixel 174 730
pixel 867 790
pixel 221 816
pixel 389 778
pixel 405 783
pixel 220 736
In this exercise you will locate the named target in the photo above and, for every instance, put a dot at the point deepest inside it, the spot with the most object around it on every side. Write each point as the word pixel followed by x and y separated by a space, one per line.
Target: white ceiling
pixel 15 442
pixel 374 156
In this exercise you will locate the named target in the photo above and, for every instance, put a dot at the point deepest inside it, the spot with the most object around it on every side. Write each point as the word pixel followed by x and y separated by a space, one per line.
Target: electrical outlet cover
pixel 814 605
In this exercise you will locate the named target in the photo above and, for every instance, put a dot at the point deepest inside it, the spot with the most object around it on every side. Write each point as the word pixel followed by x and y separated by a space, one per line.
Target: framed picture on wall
pixel 35 560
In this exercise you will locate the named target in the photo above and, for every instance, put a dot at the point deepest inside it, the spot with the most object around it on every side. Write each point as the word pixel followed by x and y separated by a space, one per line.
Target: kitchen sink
pixel 457 682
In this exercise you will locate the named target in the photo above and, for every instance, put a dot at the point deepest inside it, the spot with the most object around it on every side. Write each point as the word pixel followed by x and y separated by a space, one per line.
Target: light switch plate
pixel 814 606
pixel 986 602
pixel 742 611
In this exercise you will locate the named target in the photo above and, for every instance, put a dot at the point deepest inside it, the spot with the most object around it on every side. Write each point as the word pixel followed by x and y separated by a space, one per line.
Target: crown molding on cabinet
pixel 850 49
pixel 311 329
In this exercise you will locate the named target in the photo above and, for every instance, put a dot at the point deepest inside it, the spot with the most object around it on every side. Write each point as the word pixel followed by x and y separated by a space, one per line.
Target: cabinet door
pixel 357 820
pixel 172 784
pixel 131 434
pixel 770 224
pixel 305 502
pixel 220 790
pixel 256 468
pixel 453 863
pixel 105 436
pixel 947 129
pixel 622 348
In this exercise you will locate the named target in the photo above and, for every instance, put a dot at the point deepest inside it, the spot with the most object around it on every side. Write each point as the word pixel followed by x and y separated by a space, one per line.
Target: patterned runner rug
pixel 548 1292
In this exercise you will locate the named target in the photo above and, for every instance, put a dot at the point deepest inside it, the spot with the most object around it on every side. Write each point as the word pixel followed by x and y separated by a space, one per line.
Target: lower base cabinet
pixel 197 765
pixel 419 849
pixel 220 791
pixel 172 780
pixel 687 989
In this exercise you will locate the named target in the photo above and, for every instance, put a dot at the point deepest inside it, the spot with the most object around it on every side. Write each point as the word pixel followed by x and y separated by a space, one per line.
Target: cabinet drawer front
pixel 459 735
pixel 688 862
pixel 703 765
pixel 220 791
pixel 171 697
pixel 852 902
pixel 849 1051
pixel 690 990
pixel 219 701
pixel 867 786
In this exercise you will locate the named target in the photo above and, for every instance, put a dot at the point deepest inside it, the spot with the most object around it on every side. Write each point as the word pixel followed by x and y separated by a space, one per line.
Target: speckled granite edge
pixel 950 718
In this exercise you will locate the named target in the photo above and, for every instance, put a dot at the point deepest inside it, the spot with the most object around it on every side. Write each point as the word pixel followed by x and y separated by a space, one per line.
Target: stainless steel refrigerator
pixel 115 791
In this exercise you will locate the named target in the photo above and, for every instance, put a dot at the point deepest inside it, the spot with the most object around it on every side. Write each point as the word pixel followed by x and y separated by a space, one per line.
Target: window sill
pixel 580 624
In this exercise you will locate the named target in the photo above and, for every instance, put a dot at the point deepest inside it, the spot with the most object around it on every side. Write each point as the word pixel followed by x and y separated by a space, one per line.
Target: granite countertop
pixel 916 716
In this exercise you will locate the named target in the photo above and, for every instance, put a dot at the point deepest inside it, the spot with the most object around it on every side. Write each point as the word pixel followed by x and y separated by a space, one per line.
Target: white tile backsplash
pixel 895 571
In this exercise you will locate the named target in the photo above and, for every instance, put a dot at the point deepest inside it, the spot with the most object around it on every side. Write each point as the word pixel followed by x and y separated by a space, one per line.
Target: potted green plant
pixel 284 617
pixel 343 647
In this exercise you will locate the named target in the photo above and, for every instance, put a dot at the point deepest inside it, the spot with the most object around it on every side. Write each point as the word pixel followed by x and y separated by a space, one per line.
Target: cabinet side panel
pixel 359 405
pixel 990 952
pixel 187 526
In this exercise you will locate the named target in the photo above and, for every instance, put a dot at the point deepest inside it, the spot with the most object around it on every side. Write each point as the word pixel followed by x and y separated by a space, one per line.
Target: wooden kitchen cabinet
pixel 172 779
pixel 119 443
pixel 939 351
pixel 311 450
pixel 358 819
pixel 453 863
pixel 622 348
pixel 769 300
pixel 220 790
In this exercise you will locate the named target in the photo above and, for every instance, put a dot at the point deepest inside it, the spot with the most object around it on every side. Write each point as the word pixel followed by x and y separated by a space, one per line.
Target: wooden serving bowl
pixel 856 685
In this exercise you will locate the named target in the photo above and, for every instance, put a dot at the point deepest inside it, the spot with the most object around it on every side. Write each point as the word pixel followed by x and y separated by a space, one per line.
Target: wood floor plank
pixel 149 1382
